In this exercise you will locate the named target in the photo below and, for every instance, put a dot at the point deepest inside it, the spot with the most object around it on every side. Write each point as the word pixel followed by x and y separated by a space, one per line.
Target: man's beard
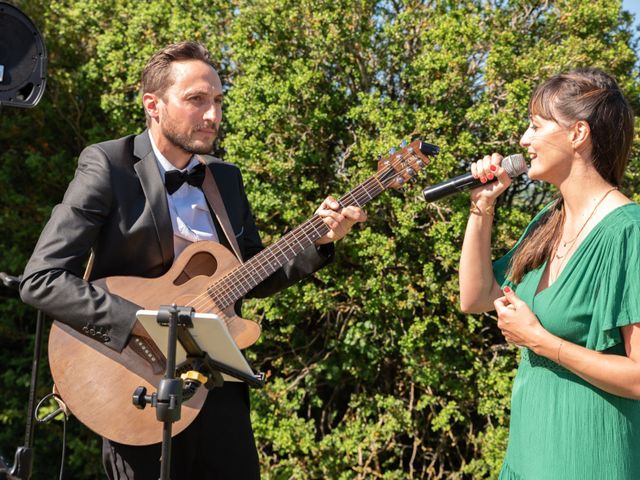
pixel 188 144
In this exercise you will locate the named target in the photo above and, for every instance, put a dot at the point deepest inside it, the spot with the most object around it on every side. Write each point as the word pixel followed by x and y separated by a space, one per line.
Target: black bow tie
pixel 173 179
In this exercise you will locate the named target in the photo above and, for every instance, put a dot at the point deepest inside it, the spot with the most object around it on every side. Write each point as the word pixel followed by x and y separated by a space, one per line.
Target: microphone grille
pixel 514 165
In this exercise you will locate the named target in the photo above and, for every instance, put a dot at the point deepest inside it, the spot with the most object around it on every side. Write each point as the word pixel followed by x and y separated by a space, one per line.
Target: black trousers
pixel 218 445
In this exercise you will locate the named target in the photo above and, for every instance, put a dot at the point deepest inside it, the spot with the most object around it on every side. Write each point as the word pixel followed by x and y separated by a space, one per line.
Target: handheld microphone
pixel 514 165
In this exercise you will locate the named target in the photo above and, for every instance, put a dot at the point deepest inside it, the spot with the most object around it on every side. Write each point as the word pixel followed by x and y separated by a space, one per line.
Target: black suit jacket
pixel 116 205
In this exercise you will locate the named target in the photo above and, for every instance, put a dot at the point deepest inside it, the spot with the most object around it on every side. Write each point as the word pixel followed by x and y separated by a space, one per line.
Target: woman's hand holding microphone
pixel 483 198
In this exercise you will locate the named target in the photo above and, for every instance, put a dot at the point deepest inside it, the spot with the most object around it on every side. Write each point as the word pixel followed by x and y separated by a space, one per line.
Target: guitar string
pixel 230 288
pixel 221 293
pixel 281 256
pixel 249 274
pixel 298 235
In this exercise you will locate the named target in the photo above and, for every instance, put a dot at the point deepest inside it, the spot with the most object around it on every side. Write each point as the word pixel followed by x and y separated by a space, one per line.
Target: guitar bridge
pixel 150 352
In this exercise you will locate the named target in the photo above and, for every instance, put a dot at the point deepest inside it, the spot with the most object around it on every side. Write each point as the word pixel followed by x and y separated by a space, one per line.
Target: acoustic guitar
pixel 97 383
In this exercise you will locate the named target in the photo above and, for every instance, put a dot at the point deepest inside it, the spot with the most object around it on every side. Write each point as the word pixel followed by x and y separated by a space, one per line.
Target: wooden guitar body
pixel 97 382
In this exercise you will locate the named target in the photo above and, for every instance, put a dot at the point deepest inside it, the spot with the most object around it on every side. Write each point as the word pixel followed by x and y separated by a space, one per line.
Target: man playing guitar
pixel 117 206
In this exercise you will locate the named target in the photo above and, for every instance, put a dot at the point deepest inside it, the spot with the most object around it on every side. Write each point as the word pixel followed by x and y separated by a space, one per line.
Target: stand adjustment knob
pixel 140 398
pixel 195 375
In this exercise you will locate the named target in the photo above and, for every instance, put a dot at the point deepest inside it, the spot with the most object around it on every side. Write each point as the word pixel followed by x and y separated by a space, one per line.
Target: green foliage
pixel 374 371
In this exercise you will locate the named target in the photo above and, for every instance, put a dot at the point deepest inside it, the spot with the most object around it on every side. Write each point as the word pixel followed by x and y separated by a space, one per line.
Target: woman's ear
pixel 581 135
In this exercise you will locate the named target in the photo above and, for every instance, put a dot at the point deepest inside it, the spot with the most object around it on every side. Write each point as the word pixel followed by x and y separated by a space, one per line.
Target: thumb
pixel 511 296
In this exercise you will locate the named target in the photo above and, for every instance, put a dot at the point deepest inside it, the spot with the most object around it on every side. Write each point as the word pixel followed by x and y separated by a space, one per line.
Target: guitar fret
pixel 302 247
pixel 320 234
pixel 354 199
pixel 282 257
pixel 263 267
pixel 234 286
pixel 377 180
pixel 369 197
pixel 306 236
pixel 292 250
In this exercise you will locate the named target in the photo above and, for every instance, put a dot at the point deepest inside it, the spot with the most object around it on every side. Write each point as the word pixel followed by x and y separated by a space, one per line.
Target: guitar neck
pixel 237 283
pixel 392 172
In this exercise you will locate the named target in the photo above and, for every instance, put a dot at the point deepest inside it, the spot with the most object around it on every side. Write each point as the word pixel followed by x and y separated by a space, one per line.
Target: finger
pixel 483 169
pixel 331 223
pixel 354 214
pixel 511 296
pixel 474 169
pixel 330 203
pixel 500 172
pixel 496 159
pixel 486 163
pixel 500 304
pixel 494 165
pixel 331 214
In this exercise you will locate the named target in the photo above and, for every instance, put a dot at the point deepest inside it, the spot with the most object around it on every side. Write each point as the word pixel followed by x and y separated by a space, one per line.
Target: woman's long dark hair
pixel 592 96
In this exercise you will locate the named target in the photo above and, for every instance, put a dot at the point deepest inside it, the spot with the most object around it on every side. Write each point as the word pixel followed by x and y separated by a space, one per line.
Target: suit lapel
pixel 153 187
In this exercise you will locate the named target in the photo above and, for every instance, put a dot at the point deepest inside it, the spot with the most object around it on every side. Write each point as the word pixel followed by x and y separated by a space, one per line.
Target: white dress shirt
pixel 190 215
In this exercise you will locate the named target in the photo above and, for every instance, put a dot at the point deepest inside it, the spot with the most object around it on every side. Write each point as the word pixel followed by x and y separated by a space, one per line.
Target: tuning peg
pixel 403 143
pixel 392 151
pixel 400 180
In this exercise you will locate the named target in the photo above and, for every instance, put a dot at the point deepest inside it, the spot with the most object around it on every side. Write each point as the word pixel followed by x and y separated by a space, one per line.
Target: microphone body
pixel 514 165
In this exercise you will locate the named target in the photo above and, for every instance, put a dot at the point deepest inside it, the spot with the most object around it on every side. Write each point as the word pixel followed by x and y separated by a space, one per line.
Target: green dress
pixel 562 427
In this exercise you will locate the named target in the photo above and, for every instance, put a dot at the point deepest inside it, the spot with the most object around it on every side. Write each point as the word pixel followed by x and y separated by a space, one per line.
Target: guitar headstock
pixel 403 165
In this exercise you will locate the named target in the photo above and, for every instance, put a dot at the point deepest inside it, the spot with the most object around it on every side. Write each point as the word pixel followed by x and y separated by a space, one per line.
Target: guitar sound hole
pixel 202 263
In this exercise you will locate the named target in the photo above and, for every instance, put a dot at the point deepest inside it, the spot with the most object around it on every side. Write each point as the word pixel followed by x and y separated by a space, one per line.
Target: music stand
pixel 196 342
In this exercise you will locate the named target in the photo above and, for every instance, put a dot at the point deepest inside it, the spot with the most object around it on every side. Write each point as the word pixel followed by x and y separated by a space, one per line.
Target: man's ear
pixel 150 102
pixel 581 135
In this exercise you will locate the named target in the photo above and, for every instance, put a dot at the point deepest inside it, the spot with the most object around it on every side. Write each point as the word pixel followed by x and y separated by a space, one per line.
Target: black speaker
pixel 23 59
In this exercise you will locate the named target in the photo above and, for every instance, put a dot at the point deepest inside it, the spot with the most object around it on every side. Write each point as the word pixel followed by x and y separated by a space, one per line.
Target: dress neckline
pixel 575 255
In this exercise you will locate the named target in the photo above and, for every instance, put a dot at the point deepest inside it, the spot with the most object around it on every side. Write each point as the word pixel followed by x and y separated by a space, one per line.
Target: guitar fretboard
pixel 235 285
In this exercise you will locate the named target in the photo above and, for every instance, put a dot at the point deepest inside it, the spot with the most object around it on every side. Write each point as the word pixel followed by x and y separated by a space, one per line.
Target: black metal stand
pixel 171 391
pixel 23 460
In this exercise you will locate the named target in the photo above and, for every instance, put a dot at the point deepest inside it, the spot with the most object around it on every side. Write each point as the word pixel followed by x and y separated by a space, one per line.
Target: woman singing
pixel 568 293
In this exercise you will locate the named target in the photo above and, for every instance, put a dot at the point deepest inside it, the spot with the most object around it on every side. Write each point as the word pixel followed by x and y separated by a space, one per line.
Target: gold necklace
pixel 572 242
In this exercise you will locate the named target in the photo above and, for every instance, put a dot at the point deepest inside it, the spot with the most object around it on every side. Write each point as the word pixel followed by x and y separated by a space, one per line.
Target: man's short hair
pixel 156 76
